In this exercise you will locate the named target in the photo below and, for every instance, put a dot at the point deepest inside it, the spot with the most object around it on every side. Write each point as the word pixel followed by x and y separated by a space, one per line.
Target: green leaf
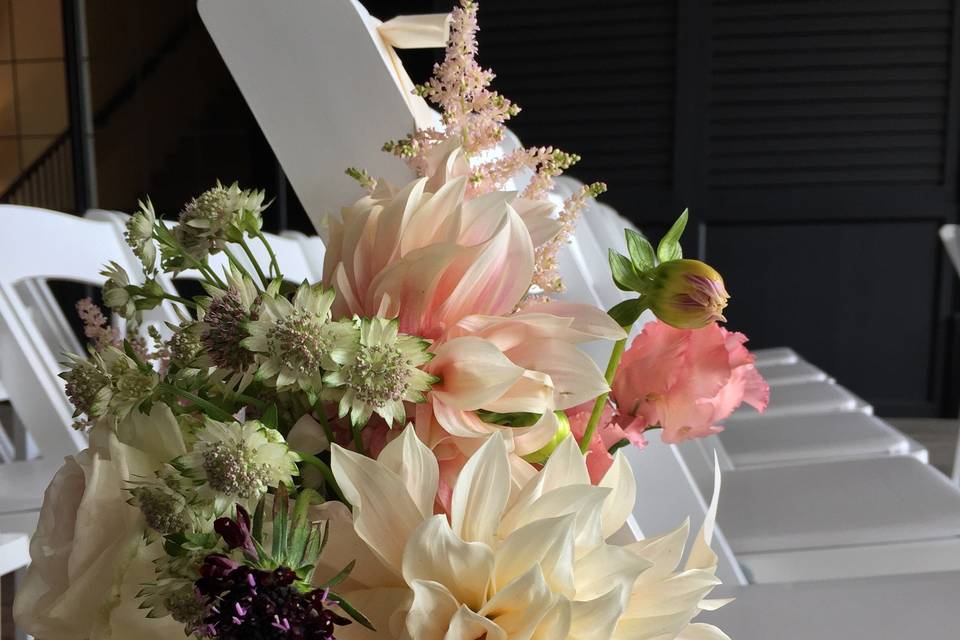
pixel 257 532
pixel 640 249
pixel 271 417
pixel 627 312
pixel 669 247
pixel 350 611
pixel 340 577
pixel 518 419
pixel 624 275
pixel 619 444
pixel 281 513
pixel 300 528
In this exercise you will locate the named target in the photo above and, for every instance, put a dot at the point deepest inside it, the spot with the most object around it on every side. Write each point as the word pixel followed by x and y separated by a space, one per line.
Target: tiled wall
pixel 33 96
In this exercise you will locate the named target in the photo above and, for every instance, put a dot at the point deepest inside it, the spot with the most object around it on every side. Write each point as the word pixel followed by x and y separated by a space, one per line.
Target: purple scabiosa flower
pixel 246 603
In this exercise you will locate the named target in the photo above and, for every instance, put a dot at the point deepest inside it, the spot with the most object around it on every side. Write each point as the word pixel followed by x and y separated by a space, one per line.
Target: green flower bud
pixel 543 453
pixel 687 294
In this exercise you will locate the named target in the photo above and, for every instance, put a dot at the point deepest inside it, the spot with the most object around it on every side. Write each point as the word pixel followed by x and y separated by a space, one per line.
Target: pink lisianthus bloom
pixel 525 363
pixel 609 434
pixel 685 381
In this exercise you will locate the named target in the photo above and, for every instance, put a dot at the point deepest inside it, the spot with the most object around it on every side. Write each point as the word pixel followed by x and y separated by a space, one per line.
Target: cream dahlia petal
pixel 431 612
pixel 575 376
pixel 463 568
pixel 481 492
pixel 556 624
pixel 533 392
pixel 467 625
pixel 583 500
pixel 473 371
pixel 623 495
pixel 385 515
pixel 547 543
pixel 519 607
pixel 605 567
pixel 589 322
pixel 416 466
pixel 596 619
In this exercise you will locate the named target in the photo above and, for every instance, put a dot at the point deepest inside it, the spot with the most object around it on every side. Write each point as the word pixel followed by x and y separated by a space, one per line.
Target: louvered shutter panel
pixel 593 78
pixel 819 94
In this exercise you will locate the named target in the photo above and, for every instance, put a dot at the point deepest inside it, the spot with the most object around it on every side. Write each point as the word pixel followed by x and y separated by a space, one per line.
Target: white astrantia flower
pixel 233 462
pixel 115 293
pixel 130 382
pixel 139 235
pixel 381 373
pixel 522 553
pixel 295 342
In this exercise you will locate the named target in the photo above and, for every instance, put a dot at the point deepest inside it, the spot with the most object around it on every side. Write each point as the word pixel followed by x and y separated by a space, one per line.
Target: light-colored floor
pixel 939 436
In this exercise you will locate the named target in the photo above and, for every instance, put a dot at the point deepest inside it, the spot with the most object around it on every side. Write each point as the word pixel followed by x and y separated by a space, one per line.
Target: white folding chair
pixel 950 235
pixel 42 245
pixel 313 250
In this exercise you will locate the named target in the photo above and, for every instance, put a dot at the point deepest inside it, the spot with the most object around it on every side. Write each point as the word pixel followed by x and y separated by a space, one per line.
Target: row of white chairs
pixel 822 503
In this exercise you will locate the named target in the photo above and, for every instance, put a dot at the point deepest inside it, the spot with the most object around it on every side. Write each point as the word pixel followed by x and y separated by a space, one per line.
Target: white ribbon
pixel 412 32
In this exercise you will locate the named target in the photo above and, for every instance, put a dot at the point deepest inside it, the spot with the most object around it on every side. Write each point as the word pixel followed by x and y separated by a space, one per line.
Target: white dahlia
pixel 514 558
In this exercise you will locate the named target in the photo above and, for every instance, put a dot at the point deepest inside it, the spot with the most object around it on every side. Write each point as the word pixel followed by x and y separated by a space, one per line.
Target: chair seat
pixel 22 484
pixel 802 399
pixel 774 355
pixel 878 608
pixel 793 373
pixel 14 552
pixel 835 504
pixel 810 438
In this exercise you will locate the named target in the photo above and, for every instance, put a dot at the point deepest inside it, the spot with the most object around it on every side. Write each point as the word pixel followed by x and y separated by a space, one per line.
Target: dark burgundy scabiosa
pixel 253 604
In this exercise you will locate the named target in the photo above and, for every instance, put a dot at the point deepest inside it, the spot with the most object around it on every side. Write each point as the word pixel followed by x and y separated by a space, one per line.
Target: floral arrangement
pixel 415 447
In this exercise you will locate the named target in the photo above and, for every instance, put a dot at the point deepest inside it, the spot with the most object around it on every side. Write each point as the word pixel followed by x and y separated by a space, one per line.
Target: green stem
pixel 357 440
pixel 254 262
pixel 274 265
pixel 259 404
pixel 327 473
pixel 602 398
pixel 238 265
pixel 181 300
pixel 322 419
pixel 215 412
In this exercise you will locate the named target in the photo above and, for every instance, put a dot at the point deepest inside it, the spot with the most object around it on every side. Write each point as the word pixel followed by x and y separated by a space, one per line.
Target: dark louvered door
pixel 829 164
pixel 814 141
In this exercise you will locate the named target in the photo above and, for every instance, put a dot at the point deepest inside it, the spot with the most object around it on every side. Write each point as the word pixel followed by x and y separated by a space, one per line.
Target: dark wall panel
pixel 855 299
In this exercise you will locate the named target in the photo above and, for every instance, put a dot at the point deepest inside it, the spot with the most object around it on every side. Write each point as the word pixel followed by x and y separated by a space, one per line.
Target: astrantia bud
pixel 543 453
pixel 687 294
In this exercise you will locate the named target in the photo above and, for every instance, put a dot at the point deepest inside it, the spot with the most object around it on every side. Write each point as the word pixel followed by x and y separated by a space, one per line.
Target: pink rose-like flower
pixel 686 380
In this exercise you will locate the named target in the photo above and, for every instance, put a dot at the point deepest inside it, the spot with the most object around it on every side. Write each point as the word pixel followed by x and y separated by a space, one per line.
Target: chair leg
pixel 7 584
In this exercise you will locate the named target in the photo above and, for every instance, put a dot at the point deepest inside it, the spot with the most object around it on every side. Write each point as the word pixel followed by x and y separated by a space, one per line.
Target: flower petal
pixel 435 553
pixel 481 492
pixel 623 495
pixel 416 466
pixel 384 513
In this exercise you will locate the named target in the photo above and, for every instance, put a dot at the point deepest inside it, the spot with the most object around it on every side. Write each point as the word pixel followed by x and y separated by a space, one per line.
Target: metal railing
pixel 49 181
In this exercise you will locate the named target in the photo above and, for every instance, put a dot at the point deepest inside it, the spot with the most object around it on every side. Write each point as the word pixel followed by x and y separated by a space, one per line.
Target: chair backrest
pixel 326 100
pixel 313 251
pixel 39 245
pixel 950 235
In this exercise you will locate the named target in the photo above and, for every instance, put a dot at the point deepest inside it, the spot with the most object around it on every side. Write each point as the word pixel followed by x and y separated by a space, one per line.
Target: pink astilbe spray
pixel 95 325
pixel 474 118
